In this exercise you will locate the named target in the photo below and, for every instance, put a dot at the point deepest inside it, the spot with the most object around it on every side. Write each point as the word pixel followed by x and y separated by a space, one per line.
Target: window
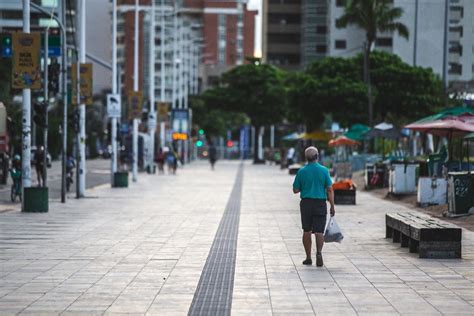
pixel 340 44
pixel 340 3
pixel 321 49
pixel 321 29
pixel 384 42
pixel 455 69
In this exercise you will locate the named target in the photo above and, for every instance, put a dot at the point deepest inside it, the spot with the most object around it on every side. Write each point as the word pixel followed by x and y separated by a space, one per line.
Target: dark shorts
pixel 313 215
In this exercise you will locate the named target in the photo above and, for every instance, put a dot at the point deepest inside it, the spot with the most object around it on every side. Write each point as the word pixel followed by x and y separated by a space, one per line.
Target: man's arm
pixel 296 191
pixel 330 193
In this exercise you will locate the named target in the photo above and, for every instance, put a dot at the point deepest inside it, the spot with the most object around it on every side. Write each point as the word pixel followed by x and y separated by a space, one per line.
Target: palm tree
pixel 372 16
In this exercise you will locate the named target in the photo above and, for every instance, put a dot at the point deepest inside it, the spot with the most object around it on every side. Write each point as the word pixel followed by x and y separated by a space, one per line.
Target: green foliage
pixel 335 86
pixel 253 89
pixel 373 16
pixel 213 121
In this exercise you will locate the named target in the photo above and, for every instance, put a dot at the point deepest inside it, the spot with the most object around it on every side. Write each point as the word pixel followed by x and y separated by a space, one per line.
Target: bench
pixel 428 236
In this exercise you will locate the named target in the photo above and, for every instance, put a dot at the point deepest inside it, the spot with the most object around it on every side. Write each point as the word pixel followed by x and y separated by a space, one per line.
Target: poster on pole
pixel 135 101
pixel 180 120
pixel 163 108
pixel 85 82
pixel 26 72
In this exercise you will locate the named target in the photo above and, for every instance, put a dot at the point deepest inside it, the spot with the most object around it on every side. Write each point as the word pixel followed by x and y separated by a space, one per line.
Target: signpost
pixel 85 83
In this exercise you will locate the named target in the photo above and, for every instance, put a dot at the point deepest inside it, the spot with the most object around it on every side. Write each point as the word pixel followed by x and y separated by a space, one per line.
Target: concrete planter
pixel 35 199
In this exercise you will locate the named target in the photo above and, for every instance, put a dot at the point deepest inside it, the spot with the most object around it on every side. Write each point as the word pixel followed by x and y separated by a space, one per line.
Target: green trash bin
pixel 460 193
pixel 121 179
pixel 35 199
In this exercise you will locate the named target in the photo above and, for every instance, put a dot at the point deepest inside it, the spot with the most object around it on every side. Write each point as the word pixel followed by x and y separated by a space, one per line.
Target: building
pixel 308 27
pixel 281 38
pixel 202 39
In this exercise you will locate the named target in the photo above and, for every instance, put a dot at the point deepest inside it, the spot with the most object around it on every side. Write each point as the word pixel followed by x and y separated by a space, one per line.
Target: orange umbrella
pixel 342 141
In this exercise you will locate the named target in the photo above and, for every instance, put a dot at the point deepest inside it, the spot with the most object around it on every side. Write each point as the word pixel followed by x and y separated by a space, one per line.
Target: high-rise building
pixel 296 32
pixel 281 38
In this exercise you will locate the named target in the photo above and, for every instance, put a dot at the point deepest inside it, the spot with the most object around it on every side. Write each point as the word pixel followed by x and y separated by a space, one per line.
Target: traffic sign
pixel 152 120
pixel 114 107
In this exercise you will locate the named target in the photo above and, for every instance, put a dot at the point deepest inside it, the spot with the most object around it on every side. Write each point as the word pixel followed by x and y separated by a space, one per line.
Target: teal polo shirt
pixel 312 181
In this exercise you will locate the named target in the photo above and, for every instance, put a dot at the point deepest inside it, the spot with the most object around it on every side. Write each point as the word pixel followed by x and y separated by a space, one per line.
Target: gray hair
pixel 311 153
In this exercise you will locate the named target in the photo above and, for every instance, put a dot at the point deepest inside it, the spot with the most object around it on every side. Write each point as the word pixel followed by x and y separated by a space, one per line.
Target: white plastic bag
pixel 333 232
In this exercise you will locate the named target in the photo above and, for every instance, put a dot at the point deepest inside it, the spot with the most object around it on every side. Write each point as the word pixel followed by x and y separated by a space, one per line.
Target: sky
pixel 257 5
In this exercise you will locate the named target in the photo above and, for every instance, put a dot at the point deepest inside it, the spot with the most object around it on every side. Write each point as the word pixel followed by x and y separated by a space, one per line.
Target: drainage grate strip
pixel 213 295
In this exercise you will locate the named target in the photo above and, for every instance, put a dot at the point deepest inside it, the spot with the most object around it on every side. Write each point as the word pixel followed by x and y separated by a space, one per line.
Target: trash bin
pixel 402 178
pixel 460 193
pixel 121 179
pixel 35 199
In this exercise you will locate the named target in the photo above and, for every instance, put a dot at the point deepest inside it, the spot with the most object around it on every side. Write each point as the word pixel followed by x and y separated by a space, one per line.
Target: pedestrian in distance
pixel 172 161
pixel 314 185
pixel 38 160
pixel 290 157
pixel 160 160
pixel 212 155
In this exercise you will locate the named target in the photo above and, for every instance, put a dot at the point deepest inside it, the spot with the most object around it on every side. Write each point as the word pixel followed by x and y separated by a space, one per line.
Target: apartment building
pixel 313 33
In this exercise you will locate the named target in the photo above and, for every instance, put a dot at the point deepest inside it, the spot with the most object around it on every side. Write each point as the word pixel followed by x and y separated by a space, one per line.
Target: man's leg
pixel 307 244
pixel 319 242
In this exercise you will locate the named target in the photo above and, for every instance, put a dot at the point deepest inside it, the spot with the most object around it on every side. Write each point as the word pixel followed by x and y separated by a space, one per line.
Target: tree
pixel 213 121
pixel 372 16
pixel 257 90
pixel 328 86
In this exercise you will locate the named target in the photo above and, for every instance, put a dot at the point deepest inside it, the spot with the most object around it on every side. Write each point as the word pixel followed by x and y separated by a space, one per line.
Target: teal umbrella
pixel 454 111
pixel 357 132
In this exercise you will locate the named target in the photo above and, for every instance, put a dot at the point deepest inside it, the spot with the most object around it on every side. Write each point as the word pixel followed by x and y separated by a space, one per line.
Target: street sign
pixel 85 83
pixel 54 45
pixel 135 101
pixel 26 72
pixel 114 107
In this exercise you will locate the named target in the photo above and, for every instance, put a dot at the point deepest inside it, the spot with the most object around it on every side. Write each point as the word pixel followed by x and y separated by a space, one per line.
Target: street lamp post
pixel 26 116
pixel 152 114
pixel 81 185
pixel 162 72
pixel 113 138
pixel 135 88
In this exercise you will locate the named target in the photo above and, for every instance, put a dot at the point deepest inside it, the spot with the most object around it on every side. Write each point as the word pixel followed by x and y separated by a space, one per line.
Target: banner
pixel 85 82
pixel 135 101
pixel 26 72
pixel 163 108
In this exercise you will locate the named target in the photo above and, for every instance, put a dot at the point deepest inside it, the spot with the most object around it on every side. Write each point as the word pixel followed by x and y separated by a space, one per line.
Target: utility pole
pixel 162 72
pixel 46 101
pixel 26 116
pixel 81 185
pixel 415 35
pixel 175 55
pixel 152 113
pixel 113 123
pixel 135 88
pixel 445 48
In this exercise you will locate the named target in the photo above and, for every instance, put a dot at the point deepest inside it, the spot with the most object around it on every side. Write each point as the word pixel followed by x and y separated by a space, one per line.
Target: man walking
pixel 315 187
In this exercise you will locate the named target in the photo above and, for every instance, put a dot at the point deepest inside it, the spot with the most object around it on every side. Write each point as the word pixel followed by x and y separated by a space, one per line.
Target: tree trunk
pixel 256 146
pixel 367 81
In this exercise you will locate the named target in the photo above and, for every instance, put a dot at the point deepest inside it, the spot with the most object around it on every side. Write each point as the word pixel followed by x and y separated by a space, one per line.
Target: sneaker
pixel 308 262
pixel 319 260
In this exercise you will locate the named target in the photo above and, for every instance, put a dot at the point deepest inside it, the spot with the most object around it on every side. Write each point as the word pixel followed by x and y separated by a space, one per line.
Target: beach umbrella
pixel 357 131
pixel 292 136
pixel 342 141
pixel 317 136
pixel 448 127
pixel 447 112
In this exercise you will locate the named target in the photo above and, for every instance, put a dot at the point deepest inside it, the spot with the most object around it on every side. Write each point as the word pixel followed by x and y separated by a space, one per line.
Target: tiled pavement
pixel 142 250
